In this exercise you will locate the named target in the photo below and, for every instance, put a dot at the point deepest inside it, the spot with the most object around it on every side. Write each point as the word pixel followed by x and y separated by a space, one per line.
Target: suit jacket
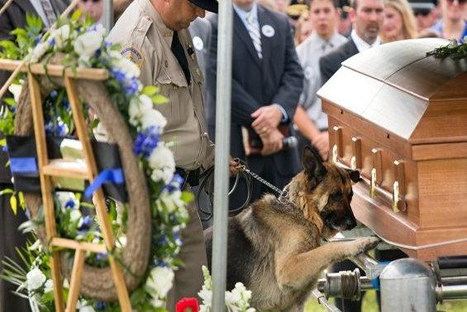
pixel 330 63
pixel 276 78
pixel 15 17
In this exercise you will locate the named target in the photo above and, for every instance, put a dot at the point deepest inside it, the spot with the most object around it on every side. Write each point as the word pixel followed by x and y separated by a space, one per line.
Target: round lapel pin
pixel 198 43
pixel 268 31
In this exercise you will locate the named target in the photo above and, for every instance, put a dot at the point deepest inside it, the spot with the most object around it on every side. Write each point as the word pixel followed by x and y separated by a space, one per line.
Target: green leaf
pixel 150 90
pixel 75 17
pixel 47 297
pixel 10 101
pixel 14 204
pixel 159 99
pixel 6 191
pixel 21 200
pixel 20 32
pixel 187 197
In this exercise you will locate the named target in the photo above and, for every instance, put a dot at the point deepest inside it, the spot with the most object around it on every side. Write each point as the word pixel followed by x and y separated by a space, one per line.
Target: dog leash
pixel 283 194
pixel 246 173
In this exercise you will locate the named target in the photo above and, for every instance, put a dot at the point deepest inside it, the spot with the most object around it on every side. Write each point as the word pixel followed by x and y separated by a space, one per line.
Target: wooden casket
pixel 400 117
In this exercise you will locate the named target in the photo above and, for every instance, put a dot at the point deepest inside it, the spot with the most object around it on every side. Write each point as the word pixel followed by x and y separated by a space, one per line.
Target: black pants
pixel 10 238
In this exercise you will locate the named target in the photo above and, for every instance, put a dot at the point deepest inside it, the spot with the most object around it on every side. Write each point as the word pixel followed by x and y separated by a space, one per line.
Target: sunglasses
pixel 84 1
pixel 458 1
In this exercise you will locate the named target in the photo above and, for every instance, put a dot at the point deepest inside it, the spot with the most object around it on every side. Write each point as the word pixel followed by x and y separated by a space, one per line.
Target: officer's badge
pixel 134 55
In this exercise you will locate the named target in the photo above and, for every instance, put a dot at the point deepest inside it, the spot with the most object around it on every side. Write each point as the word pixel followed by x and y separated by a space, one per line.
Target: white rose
pixel 15 89
pixel 61 35
pixel 162 175
pixel 38 52
pixel 126 66
pixel 75 215
pixel 87 44
pixel 35 279
pixel 162 158
pixel 49 286
pixel 160 280
pixel 100 29
pixel 138 107
pixel 87 309
pixel 153 118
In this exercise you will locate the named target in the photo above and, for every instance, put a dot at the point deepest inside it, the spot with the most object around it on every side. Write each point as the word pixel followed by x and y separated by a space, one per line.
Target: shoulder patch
pixel 133 54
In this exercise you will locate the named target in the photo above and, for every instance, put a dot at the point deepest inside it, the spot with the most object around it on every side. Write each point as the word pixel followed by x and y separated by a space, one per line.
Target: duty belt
pixel 190 177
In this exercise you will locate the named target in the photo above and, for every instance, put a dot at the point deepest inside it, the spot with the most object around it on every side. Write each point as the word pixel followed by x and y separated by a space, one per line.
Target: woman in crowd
pixel 399 21
pixel 452 25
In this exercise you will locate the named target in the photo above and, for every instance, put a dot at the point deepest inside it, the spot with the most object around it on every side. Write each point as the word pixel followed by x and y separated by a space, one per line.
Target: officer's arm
pixel 291 83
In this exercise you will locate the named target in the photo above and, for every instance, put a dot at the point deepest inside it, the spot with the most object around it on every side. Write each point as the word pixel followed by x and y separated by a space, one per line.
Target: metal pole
pixel 221 172
pixel 108 14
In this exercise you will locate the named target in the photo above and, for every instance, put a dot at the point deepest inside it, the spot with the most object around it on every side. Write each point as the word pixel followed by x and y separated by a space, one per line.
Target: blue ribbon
pixel 114 176
pixel 25 165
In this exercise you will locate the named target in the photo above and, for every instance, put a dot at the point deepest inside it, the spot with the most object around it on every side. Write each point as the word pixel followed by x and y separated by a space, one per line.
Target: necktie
pixel 326 46
pixel 253 29
pixel 179 53
pixel 49 12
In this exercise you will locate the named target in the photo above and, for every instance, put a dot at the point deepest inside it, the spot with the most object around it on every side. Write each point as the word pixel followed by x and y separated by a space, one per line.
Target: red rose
pixel 187 305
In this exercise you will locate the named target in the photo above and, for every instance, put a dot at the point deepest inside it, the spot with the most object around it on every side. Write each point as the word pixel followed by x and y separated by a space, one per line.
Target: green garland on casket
pixel 83 44
pixel 453 50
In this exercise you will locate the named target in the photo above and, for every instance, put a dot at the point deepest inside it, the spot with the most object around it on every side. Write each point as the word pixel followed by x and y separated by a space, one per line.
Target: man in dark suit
pixel 367 17
pixel 267 81
pixel 15 17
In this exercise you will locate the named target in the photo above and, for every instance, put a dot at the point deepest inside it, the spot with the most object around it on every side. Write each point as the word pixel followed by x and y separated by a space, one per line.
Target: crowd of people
pixel 283 53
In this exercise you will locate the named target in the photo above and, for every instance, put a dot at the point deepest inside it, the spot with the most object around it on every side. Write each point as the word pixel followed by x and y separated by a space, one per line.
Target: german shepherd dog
pixel 274 246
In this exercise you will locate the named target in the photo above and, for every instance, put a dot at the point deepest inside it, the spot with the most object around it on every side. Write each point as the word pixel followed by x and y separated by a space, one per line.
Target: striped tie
pixel 49 12
pixel 253 29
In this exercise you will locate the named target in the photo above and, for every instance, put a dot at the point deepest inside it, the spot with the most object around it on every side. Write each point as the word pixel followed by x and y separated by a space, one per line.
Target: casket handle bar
pixel 397 197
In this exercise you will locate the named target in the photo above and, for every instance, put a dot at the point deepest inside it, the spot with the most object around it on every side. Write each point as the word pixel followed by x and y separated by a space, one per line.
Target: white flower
pixel 87 44
pixel 15 89
pixel 159 282
pixel 87 309
pixel 61 35
pixel 100 29
pixel 75 215
pixel 121 242
pixel 49 286
pixel 84 306
pixel 36 246
pixel 67 201
pixel 162 159
pixel 153 118
pixel 35 279
pixel 172 201
pixel 126 66
pixel 138 107
pixel 38 52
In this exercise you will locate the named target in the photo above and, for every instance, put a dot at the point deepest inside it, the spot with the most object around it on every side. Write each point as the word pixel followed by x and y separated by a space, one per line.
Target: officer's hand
pixel 272 142
pixel 322 144
pixel 266 118
pixel 233 167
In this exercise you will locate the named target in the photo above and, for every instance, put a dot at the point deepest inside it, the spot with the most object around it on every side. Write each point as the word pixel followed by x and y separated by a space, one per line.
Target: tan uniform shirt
pixel 146 41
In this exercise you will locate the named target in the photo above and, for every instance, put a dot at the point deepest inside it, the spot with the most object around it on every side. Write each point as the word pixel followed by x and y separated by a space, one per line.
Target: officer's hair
pixel 333 2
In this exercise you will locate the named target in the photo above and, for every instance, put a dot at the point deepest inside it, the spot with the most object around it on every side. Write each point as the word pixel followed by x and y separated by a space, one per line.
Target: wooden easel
pixel 61 168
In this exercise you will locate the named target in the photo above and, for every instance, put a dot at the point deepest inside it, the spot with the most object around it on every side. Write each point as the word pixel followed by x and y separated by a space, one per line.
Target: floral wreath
pixel 83 44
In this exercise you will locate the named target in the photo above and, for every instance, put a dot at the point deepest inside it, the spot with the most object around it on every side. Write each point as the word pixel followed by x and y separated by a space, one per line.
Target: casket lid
pixel 399 88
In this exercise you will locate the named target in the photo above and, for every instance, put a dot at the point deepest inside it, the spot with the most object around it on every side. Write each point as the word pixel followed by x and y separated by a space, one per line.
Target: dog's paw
pixel 362 244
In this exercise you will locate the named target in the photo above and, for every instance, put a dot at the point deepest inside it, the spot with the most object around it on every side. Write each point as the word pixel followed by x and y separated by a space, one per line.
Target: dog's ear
pixel 354 175
pixel 313 165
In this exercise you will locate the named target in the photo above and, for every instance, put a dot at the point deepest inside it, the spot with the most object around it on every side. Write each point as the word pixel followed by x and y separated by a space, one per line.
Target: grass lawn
pixel 370 305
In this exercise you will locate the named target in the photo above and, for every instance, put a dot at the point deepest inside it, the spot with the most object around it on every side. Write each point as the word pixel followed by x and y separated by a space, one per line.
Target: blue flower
pixel 146 142
pixel 87 223
pixel 98 53
pixel 12 109
pixel 100 256
pixel 38 38
pixel 65 103
pixel 5 149
pixel 160 263
pixel 100 305
pixel 52 42
pixel 70 204
pixel 175 184
pixel 53 94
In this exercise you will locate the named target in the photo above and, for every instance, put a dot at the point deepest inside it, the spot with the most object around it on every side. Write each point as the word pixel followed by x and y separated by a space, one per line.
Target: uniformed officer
pixel 153 35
